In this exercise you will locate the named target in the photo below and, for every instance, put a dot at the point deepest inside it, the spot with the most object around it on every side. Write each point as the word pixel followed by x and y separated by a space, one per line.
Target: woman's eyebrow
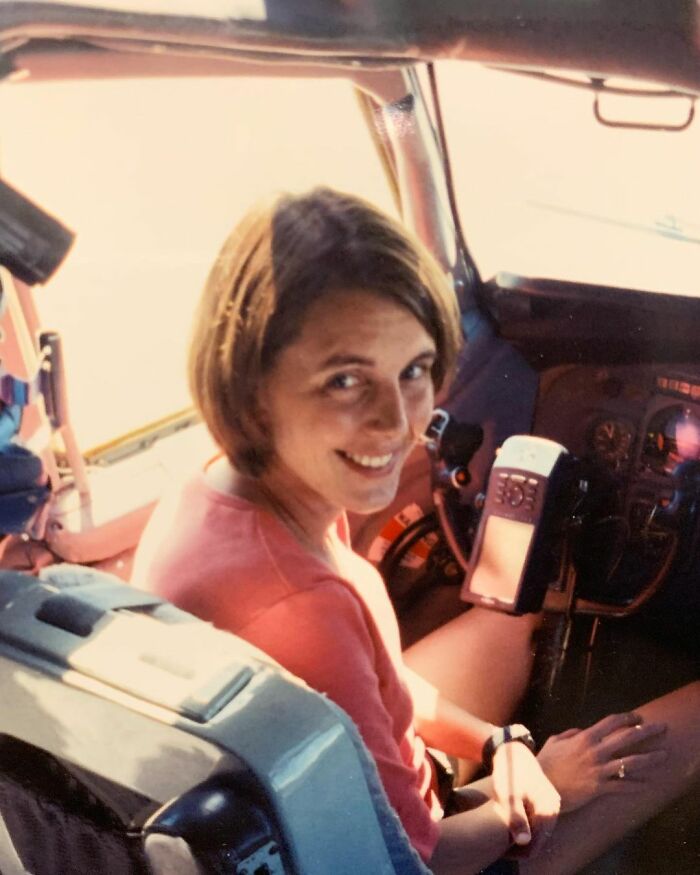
pixel 426 355
pixel 343 359
pixel 339 359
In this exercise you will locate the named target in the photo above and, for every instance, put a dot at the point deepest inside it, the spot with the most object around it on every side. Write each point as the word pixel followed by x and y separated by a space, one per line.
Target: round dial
pixel 673 436
pixel 611 440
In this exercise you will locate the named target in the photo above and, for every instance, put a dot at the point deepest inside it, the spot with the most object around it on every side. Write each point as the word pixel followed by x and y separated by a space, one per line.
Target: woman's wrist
pixel 514 732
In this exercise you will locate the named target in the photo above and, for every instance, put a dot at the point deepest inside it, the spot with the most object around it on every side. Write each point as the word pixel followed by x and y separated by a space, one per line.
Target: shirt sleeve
pixel 321 636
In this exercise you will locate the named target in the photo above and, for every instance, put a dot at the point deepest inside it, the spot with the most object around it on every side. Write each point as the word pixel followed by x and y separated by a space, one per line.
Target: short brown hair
pixel 283 256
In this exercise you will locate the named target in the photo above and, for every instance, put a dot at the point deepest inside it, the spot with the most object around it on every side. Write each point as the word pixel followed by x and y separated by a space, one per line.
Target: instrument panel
pixel 636 421
pixel 637 431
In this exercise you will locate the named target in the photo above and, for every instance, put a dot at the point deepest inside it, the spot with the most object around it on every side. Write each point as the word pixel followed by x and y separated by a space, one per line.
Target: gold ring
pixel 621 770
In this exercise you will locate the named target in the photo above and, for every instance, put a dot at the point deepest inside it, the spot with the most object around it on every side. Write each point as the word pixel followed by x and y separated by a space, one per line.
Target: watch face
pixel 527 740
pixel 521 733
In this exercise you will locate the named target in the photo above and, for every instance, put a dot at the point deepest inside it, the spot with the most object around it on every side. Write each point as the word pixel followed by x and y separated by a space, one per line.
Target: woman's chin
pixel 372 502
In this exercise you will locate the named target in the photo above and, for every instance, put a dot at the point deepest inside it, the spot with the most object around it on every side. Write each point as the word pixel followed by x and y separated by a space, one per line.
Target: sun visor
pixel 656 40
pixel 32 243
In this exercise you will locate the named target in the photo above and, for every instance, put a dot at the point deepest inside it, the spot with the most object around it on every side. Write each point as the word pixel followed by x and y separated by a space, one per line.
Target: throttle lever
pixel 451 446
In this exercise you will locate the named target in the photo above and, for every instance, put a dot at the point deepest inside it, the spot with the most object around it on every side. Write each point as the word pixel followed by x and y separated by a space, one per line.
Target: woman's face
pixel 345 401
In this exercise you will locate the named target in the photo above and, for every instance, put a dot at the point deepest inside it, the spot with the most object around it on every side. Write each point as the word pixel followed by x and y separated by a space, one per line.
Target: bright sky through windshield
pixel 545 190
pixel 152 176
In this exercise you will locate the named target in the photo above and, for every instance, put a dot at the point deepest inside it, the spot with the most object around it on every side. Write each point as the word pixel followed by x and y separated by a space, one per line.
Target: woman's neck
pixel 310 520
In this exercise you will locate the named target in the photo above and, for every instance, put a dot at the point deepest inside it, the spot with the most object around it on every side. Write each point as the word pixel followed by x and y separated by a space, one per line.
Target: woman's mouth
pixel 369 464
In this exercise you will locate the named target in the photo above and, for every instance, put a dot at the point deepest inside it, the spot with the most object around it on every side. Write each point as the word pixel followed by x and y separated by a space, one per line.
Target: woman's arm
pixel 444 725
pixel 337 658
pixel 471 840
pixel 528 801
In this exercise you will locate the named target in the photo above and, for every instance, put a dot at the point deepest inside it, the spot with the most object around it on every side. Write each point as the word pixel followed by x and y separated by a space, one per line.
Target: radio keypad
pixel 516 490
pixel 501 485
pixel 531 493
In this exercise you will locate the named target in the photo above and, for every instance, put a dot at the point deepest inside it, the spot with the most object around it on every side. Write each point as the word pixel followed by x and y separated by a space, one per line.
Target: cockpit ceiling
pixel 658 40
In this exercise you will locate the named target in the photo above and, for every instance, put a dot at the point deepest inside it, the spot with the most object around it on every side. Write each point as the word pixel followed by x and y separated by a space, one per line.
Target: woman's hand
pixel 608 757
pixel 527 798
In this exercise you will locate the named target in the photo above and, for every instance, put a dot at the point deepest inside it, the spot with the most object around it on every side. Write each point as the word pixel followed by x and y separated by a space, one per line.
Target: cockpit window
pixel 152 175
pixel 545 190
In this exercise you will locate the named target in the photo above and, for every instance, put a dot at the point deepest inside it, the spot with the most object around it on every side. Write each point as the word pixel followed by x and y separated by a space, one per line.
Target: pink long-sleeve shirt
pixel 238 567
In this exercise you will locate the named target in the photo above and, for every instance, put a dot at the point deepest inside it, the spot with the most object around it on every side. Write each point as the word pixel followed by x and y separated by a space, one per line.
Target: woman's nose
pixel 389 412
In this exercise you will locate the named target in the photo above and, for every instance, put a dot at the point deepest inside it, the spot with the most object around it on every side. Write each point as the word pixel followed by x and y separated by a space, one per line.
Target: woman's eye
pixel 415 371
pixel 343 381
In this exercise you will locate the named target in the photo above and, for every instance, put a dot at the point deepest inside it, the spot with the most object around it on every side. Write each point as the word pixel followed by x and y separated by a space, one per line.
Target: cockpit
pixel 571 429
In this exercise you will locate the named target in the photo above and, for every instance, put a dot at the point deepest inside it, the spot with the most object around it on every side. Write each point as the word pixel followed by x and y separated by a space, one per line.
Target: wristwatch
pixel 504 735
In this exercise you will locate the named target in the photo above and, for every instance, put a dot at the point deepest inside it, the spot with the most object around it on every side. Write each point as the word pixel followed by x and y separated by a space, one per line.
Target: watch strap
pixel 504 735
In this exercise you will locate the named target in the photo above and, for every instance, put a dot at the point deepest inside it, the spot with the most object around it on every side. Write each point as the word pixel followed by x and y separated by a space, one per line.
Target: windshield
pixel 152 175
pixel 544 190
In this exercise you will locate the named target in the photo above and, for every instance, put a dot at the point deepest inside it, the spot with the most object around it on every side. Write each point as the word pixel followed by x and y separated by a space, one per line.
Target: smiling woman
pixel 322 333
pixel 320 337
pixel 283 260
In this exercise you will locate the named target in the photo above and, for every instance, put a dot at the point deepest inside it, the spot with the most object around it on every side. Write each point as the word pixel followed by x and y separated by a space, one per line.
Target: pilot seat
pixel 135 738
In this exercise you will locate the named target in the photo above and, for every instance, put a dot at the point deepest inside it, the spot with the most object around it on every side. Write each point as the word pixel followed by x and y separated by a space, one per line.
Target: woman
pixel 321 337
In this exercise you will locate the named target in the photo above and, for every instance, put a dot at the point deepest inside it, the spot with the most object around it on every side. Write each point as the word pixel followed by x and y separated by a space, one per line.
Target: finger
pixel 542 813
pixel 635 767
pixel 613 722
pixel 568 733
pixel 629 738
pixel 518 823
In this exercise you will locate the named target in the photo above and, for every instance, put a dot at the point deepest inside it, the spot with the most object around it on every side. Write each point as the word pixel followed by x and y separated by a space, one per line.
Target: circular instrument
pixel 673 436
pixel 611 440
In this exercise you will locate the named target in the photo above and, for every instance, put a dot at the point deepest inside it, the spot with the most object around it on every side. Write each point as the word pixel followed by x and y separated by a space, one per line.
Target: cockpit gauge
pixel 611 441
pixel 673 436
